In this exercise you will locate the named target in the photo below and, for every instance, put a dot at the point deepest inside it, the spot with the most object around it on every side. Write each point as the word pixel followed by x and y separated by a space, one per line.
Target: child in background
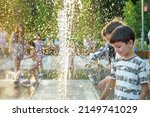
pixel 16 49
pixel 39 53
pixel 34 68
pixel 128 72
pixel 106 33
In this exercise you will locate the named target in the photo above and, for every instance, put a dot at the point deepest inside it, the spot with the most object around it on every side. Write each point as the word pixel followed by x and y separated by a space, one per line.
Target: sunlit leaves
pixel 88 16
pixel 129 13
pixel 34 14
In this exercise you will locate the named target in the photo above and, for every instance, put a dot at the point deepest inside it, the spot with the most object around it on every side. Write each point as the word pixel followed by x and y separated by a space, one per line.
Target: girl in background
pixel 16 49
pixel 106 34
pixel 34 68
pixel 39 53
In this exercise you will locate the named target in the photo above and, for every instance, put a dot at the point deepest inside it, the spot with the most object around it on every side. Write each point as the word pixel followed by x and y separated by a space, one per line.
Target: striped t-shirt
pixel 129 75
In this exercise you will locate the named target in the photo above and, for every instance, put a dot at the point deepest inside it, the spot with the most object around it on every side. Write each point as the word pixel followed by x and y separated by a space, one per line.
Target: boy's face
pixel 123 49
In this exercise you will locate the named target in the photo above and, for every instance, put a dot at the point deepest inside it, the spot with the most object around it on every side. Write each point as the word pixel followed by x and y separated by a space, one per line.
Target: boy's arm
pixel 144 91
pixel 108 89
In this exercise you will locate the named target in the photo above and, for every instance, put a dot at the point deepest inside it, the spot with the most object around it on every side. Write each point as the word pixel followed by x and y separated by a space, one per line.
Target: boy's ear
pixel 131 43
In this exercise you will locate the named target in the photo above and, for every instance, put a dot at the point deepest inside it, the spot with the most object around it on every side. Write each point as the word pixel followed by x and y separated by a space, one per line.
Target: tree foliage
pixel 33 14
pixel 132 16
pixel 87 16
pixel 129 14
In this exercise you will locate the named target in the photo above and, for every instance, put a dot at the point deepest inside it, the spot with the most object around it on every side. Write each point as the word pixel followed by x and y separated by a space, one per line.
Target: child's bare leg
pixel 28 78
pixel 16 66
pixel 40 68
pixel 33 72
pixel 17 74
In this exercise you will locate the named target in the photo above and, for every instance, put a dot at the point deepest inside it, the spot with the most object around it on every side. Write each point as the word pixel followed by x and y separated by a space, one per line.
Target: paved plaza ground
pixel 54 89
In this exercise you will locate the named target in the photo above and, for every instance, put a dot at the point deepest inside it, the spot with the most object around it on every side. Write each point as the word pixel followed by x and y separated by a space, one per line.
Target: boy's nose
pixel 116 50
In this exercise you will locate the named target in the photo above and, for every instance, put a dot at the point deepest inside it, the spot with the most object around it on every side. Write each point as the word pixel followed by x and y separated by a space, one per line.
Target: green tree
pixel 132 16
pixel 129 14
pixel 12 12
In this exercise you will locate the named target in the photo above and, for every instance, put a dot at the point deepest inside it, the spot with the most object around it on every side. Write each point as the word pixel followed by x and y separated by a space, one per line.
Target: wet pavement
pixel 48 89
pixel 11 91
pixel 65 90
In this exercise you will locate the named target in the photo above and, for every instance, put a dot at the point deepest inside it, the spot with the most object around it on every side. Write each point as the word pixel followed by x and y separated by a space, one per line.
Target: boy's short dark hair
pixel 122 33
pixel 111 26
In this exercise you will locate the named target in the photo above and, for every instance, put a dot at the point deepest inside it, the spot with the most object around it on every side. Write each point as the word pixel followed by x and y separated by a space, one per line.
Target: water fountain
pixel 65 87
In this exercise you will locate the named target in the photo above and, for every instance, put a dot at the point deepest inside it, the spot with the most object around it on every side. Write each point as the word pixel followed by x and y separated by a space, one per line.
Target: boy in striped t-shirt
pixel 128 73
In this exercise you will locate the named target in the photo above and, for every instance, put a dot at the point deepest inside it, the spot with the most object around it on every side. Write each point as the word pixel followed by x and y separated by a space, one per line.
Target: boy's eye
pixel 118 46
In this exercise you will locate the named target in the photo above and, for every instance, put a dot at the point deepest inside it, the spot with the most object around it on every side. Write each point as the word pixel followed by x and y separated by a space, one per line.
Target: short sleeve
pixel 142 73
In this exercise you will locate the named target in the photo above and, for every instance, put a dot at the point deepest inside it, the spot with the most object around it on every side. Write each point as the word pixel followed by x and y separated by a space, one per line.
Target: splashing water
pixel 64 34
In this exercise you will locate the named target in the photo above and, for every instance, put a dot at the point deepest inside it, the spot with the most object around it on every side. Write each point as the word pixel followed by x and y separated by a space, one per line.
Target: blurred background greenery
pixel 89 17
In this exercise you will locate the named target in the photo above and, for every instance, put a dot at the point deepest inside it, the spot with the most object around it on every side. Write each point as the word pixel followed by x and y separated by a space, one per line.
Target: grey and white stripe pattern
pixel 129 75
